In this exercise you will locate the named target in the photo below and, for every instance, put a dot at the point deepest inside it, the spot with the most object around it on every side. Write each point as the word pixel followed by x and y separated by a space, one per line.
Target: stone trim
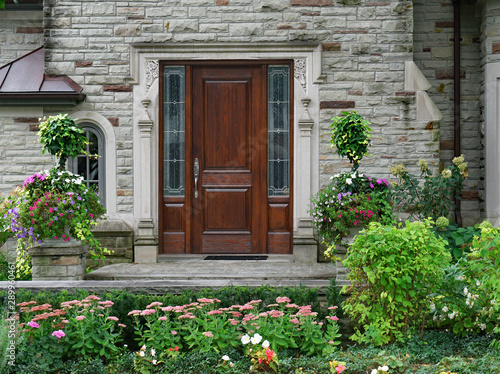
pixel 144 78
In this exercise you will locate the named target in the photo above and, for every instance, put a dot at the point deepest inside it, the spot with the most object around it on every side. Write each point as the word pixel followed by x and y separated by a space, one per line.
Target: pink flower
pixel 173 332
pixel 122 325
pixel 80 318
pixel 147 312
pixel 162 318
pixel 33 324
pixel 333 318
pixel 332 307
pixel 282 299
pixel 208 334
pixel 59 334
pixel 295 321
pixel 112 318
pixel 340 215
pixel 212 312
pixel 134 312
pixel 153 304
pixel 340 369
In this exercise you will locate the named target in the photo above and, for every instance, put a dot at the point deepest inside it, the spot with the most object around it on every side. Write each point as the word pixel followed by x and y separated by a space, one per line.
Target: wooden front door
pixel 225 205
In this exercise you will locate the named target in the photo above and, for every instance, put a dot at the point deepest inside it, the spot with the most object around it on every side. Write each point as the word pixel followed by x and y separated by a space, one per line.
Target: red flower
pixel 269 355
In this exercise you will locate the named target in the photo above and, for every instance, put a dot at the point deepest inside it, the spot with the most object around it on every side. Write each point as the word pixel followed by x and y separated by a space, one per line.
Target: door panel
pixel 227 115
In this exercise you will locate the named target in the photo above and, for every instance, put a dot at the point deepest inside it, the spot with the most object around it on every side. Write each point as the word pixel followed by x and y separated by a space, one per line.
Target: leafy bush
pixel 458 239
pixel 61 137
pixel 469 299
pixel 393 270
pixel 351 137
pixel 434 198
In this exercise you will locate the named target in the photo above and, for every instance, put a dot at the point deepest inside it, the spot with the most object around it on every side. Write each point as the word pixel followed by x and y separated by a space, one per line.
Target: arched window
pixel 92 167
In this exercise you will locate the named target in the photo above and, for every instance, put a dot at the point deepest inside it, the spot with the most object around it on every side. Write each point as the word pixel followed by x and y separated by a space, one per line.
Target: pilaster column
pixel 305 248
pixel 145 244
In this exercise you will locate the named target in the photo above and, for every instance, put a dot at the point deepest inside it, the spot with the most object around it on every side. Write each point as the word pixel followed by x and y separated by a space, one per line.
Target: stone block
pixel 145 254
pixel 98 8
pixel 246 29
pixel 127 30
pixel 64 260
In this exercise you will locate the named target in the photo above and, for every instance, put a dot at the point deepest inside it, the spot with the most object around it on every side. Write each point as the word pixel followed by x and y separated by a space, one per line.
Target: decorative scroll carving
pixel 300 71
pixel 152 72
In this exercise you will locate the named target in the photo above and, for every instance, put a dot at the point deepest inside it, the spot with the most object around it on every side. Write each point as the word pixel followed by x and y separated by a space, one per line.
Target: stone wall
pixel 20 32
pixel 433 54
pixel 364 45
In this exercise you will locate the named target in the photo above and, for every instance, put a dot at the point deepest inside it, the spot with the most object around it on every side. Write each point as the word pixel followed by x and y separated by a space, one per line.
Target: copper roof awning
pixel 23 82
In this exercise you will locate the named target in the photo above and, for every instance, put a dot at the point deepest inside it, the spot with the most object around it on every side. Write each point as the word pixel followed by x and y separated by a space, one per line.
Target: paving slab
pixel 181 272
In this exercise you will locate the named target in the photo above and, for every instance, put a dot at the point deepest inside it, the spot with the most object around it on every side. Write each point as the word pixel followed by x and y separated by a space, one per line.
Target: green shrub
pixel 434 197
pixel 458 239
pixel 393 270
pixel 469 298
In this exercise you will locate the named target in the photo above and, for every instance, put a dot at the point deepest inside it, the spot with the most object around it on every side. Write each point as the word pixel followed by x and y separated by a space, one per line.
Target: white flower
pixel 445 309
pixel 374 371
pixel 153 352
pixel 245 339
pixel 265 344
pixel 256 339
pixel 143 348
pixel 348 180
pixel 353 175
pixel 67 180
pixel 141 353
pixel 154 362
pixel 466 291
pixel 225 358
pixel 231 364
pixel 384 368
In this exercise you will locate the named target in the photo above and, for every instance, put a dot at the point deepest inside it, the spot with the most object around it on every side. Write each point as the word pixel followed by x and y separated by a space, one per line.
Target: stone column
pixel 145 244
pixel 305 248
pixel 491 62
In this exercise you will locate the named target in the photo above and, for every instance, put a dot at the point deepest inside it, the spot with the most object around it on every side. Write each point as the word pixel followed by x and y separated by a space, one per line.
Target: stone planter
pixel 59 260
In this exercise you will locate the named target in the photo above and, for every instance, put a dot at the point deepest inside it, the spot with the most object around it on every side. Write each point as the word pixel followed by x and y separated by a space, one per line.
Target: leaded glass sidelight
pixel 278 130
pixel 173 131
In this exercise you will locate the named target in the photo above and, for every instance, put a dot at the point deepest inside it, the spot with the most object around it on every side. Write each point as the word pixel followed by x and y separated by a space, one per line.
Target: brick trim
pixel 337 104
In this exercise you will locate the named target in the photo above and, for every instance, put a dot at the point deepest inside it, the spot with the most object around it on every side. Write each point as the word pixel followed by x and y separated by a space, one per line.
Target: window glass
pixel 91 168
pixel 173 131
pixel 278 130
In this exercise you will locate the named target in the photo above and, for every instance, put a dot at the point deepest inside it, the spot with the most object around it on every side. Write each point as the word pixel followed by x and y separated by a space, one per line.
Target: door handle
pixel 196 177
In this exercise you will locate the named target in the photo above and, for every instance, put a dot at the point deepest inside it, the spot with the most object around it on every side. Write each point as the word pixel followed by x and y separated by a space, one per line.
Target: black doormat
pixel 241 258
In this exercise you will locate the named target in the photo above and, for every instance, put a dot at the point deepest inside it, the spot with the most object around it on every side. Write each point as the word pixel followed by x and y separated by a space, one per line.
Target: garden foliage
pixel 434 197
pixel 351 137
pixel 393 270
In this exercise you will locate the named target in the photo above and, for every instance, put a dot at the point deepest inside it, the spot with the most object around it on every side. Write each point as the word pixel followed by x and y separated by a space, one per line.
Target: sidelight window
pixel 278 130
pixel 173 133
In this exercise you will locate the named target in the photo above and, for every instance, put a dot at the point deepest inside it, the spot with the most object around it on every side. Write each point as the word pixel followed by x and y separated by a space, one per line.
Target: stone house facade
pixel 180 94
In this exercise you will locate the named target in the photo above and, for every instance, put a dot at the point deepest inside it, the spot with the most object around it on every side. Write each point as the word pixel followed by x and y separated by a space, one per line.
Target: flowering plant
pixel 351 200
pixel 337 367
pixel 262 356
pixel 53 204
pixel 433 198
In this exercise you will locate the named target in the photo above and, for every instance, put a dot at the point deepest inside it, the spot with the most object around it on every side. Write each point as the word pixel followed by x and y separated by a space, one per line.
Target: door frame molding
pixel 144 78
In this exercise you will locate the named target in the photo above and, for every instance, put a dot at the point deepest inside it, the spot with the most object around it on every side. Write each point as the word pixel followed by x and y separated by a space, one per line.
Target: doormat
pixel 241 258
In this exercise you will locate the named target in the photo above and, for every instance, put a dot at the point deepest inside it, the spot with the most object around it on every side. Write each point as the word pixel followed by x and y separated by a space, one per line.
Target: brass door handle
pixel 196 177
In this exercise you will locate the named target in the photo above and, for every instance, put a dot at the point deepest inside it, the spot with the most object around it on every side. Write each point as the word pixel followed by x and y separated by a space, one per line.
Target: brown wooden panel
pixel 174 242
pixel 279 217
pixel 226 124
pixel 226 244
pixel 227 209
pixel 173 214
pixel 278 242
pixel 214 179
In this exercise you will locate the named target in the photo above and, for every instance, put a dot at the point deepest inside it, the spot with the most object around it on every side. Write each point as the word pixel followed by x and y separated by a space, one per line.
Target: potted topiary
pixel 352 199
pixel 51 215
